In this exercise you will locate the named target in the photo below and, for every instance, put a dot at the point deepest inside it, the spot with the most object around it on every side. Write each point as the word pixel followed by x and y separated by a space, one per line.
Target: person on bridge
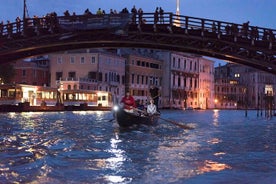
pixel 156 14
pixel 161 14
pixel 1 27
pixel 134 13
pixel 18 25
pixel 87 12
pixel 99 12
pixel 140 16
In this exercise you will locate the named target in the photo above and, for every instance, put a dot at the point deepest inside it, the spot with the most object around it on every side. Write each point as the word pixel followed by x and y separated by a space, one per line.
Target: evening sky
pixel 259 12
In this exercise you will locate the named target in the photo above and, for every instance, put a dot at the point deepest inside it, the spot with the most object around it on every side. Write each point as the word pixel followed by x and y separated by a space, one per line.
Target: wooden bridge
pixel 240 43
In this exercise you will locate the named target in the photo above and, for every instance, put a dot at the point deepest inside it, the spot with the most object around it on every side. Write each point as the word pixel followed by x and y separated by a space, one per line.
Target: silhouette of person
pixel 134 13
pixel 156 14
pixel 161 13
pixel 154 93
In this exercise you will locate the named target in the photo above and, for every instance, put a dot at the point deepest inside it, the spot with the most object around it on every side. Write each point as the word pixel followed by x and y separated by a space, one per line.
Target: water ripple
pixel 86 147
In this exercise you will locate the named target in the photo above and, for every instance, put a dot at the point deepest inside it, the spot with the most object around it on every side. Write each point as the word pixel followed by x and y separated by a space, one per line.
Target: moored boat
pixel 127 119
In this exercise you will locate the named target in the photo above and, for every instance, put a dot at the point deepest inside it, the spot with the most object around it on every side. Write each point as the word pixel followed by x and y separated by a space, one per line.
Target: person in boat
pixel 151 108
pixel 154 94
pixel 141 109
pixel 128 102
pixel 140 105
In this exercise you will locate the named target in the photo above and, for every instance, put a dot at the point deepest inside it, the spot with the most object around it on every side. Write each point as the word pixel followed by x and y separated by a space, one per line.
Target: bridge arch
pixel 240 43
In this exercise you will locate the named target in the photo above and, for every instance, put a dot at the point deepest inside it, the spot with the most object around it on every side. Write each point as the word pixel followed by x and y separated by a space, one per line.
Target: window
pixel 72 75
pixel 132 78
pixel 118 78
pixel 82 60
pixel 153 65
pixel 173 80
pixel 93 60
pixel 138 79
pixel 92 75
pixel 173 61
pixel 185 64
pixel 59 60
pixel 58 75
pixel 23 72
pixel 72 60
pixel 123 79
pixel 184 82
pixel 105 77
pixel 143 63
pixel 100 76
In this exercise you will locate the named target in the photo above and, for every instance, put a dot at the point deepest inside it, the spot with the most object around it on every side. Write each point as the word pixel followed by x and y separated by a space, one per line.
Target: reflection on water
pixel 86 147
pixel 116 162
pixel 215 117
pixel 209 166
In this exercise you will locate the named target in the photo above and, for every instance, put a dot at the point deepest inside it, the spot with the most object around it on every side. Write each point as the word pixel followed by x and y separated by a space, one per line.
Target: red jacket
pixel 128 102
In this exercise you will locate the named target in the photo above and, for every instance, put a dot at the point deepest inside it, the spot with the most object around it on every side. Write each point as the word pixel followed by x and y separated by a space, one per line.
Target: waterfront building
pixel 206 90
pixel 142 71
pixel 32 72
pixel 88 70
pixel 189 79
pixel 229 90
pixel 238 86
pixel 184 81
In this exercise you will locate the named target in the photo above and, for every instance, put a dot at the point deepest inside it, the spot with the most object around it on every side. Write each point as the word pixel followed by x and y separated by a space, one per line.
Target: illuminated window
pixel 233 82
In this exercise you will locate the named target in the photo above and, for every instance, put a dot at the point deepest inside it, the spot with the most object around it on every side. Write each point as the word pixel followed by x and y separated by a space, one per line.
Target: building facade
pixel 239 87
pixel 141 73
pixel 88 70
pixel 206 90
pixel 189 79
pixel 32 72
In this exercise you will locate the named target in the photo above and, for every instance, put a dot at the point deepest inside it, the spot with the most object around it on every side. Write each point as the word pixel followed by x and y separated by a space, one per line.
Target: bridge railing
pixel 52 23
pixel 224 28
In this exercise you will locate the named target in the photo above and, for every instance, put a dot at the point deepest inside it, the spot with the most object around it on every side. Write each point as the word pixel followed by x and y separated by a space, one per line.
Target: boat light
pixel 115 107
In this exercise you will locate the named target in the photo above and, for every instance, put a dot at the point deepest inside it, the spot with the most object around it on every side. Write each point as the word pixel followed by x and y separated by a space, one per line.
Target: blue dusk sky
pixel 259 12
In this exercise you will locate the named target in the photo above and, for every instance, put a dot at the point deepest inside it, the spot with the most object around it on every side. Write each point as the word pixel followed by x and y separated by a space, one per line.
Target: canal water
pixel 89 147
